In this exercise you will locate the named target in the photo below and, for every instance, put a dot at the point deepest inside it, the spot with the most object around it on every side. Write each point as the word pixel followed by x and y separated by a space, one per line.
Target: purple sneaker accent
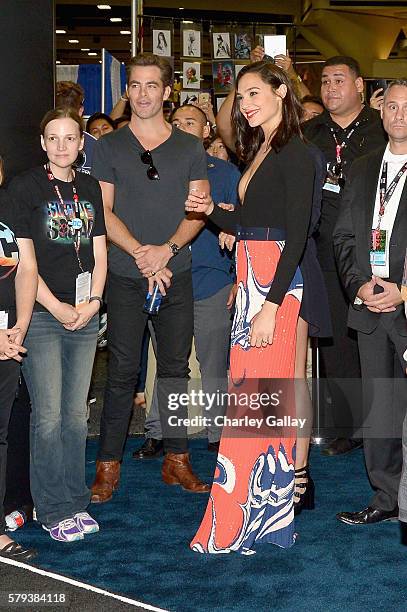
pixel 85 523
pixel 65 531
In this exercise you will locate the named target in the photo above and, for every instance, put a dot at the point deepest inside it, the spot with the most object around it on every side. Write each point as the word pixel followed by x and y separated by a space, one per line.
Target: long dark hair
pixel 250 139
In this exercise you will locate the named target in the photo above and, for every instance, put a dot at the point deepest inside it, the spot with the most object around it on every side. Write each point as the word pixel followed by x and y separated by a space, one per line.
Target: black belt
pixel 260 233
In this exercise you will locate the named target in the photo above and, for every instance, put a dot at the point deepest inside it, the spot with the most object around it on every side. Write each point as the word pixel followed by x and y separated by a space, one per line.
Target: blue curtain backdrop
pixel 90 78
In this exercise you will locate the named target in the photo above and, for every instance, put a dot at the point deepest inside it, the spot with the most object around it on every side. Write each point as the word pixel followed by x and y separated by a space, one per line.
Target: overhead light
pixel 184 21
pixel 116 19
pixel 125 31
pixel 85 49
pixel 73 40
pixel 181 8
pixel 104 7
pixel 60 31
pixel 100 61
pixel 92 53
pixel 58 62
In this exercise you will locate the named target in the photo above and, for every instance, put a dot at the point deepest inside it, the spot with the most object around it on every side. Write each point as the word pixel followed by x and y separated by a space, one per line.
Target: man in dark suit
pixel 346 130
pixel 370 241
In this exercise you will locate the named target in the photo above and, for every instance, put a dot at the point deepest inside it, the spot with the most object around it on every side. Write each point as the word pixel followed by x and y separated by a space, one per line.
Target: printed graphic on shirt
pixel 60 220
pixel 8 251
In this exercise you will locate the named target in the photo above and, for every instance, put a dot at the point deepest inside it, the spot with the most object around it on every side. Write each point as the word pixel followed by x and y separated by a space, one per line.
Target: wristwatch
pixel 173 247
pixel 96 298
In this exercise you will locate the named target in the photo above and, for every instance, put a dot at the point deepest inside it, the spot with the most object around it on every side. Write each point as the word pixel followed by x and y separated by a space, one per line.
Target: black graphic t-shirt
pixel 8 253
pixel 42 218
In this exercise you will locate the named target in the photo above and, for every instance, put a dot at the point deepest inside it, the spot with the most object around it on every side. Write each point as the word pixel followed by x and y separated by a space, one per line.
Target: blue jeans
pixel 57 371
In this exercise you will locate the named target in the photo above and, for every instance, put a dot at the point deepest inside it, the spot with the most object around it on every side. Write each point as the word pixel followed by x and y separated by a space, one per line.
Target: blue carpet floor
pixel 142 549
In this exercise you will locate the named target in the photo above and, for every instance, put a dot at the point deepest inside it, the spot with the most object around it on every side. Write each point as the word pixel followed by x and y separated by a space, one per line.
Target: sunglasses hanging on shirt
pixel 152 171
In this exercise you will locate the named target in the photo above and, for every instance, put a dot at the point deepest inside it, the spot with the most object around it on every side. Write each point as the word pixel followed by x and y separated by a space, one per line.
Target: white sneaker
pixel 85 523
pixel 65 531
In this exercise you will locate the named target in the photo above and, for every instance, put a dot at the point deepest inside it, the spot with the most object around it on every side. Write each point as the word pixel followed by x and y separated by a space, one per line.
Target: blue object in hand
pixel 153 301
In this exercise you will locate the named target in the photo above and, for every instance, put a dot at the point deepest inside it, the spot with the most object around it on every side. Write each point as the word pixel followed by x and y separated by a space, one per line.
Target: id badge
pixel 332 187
pixel 379 248
pixel 82 293
pixel 3 319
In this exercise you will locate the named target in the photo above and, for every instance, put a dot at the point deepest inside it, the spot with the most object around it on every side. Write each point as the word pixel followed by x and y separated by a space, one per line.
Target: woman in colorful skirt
pixel 252 496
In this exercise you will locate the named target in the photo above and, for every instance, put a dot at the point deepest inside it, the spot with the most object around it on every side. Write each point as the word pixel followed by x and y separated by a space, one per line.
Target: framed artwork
pixel 191 43
pixel 187 97
pixel 162 42
pixel 221 45
pixel 191 72
pixel 219 101
pixel 243 44
pixel 223 76
pixel 238 68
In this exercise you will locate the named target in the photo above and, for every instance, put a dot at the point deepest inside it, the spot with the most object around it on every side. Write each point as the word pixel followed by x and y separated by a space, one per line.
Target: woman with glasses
pixel 18 286
pixel 62 210
pixel 256 485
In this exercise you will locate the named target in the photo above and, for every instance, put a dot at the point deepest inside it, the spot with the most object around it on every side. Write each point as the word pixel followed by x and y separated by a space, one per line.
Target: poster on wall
pixel 238 68
pixel 219 101
pixel 162 42
pixel 223 76
pixel 221 45
pixel 191 72
pixel 188 97
pixel 191 43
pixel 243 44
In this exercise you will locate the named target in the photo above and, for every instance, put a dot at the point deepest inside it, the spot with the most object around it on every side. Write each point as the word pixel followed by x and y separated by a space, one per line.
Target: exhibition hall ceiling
pixel 87 28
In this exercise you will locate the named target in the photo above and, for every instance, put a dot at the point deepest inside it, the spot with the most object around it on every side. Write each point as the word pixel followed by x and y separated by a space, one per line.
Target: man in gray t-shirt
pixel 146 171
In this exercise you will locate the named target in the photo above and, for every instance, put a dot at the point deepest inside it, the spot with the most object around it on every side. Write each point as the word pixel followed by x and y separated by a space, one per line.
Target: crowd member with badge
pixel 18 286
pixel 370 241
pixel 63 213
pixel 345 131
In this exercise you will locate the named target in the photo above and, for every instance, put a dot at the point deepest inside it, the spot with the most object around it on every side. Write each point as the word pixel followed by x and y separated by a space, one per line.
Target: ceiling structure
pixel 372 31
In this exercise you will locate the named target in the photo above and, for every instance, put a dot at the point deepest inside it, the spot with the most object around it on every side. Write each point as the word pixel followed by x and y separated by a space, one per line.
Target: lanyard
pixel 74 224
pixel 339 147
pixel 386 192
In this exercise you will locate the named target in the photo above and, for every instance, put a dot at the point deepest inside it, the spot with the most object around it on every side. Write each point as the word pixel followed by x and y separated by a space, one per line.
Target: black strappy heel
pixel 304 491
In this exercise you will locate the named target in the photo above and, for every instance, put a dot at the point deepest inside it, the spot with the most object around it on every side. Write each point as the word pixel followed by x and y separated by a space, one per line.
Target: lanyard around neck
pixel 385 193
pixel 75 224
pixel 348 136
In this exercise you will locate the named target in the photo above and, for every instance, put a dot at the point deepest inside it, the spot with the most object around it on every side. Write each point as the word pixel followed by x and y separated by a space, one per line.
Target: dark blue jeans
pixel 57 371
pixel 173 327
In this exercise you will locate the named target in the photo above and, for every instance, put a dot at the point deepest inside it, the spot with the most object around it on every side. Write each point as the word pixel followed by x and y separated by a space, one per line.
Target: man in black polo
pixel 346 130
pixel 146 171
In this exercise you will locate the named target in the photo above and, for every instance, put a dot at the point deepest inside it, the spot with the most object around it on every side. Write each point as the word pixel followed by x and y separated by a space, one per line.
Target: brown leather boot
pixel 106 481
pixel 177 470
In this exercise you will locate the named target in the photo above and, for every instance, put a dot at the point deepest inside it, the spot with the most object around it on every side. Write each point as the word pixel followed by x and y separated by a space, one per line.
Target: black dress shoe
pixel 17 553
pixel 342 446
pixel 213 447
pixel 368 516
pixel 150 449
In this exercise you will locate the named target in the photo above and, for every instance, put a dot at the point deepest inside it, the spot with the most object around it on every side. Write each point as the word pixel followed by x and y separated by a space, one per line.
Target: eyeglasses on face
pixel 152 171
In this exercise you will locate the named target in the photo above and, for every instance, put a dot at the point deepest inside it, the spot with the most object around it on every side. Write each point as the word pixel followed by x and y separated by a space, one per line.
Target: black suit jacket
pixel 352 237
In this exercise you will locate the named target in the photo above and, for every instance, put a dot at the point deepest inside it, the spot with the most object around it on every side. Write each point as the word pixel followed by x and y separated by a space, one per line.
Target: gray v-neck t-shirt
pixel 150 209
